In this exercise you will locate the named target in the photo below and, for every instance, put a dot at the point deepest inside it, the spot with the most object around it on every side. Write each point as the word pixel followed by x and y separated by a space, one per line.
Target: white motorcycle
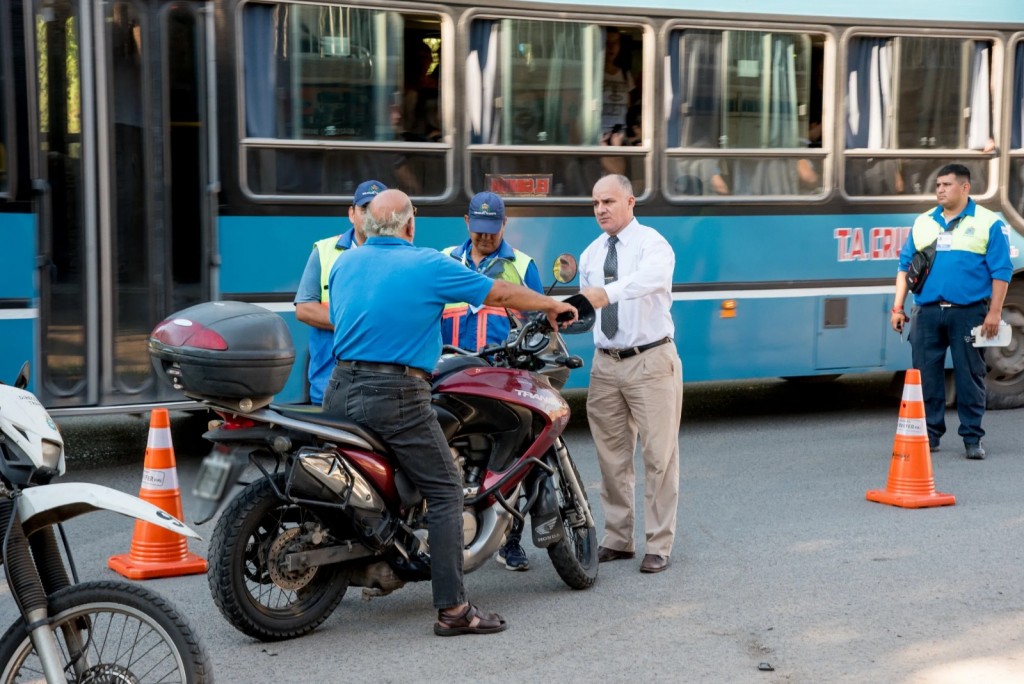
pixel 70 632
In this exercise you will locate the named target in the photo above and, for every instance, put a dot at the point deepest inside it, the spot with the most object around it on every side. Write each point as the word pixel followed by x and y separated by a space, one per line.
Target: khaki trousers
pixel 639 395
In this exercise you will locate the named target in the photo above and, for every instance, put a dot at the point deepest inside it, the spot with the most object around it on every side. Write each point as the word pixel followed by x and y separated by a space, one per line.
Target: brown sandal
pixel 470 621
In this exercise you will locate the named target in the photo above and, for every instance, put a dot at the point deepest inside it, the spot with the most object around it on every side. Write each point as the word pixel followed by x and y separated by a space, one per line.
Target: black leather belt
pixel 389 368
pixel 948 305
pixel 619 354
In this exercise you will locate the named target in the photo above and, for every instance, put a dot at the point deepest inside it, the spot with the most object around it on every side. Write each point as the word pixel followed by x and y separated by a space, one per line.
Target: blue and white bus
pixel 155 154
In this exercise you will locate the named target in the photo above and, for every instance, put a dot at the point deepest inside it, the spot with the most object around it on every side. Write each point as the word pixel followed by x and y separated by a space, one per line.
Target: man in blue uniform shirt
pixel 473 328
pixel 487 252
pixel 966 287
pixel 386 303
pixel 311 299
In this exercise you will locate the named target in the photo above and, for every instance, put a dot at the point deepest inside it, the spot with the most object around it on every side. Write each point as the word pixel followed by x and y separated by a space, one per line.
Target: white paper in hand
pixel 1002 339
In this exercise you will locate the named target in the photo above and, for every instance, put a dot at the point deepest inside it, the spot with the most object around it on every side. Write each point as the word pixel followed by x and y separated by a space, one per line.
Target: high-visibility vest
pixel 493 317
pixel 969 235
pixel 329 251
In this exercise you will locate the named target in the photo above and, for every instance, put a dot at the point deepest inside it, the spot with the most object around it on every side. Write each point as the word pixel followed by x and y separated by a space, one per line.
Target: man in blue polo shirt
pixel 386 303
pixel 473 328
pixel 966 288
pixel 311 299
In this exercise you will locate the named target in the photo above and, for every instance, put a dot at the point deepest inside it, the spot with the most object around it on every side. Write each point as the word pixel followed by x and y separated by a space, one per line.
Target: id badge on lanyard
pixel 944 242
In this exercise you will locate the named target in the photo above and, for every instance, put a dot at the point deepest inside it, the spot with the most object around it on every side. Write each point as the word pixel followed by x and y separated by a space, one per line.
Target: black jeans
pixel 934 329
pixel 397 407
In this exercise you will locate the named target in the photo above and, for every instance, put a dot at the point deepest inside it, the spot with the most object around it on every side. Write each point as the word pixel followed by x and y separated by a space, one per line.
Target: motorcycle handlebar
pixel 563 317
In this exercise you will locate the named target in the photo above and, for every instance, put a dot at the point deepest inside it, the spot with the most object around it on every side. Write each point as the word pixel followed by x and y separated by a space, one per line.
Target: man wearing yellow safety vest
pixel 486 252
pixel 473 328
pixel 311 299
pixel 969 279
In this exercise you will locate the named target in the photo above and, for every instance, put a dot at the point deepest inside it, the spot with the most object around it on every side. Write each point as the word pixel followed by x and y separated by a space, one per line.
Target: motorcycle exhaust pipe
pixel 327 478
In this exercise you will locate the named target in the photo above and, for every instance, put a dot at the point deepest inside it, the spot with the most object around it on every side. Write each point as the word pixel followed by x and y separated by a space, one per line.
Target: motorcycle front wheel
pixel 249 585
pixel 110 632
pixel 575 554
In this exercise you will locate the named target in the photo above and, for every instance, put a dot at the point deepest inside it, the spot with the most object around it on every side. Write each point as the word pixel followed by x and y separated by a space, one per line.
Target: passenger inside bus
pixel 701 176
pixel 809 170
pixel 420 109
pixel 872 176
pixel 620 116
pixel 618 84
pixel 415 115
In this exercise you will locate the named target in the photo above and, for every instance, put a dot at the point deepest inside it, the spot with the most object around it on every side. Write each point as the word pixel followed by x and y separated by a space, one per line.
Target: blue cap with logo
pixel 367 191
pixel 486 213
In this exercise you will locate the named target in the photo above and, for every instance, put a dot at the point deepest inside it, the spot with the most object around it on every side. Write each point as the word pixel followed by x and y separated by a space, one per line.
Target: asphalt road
pixel 779 560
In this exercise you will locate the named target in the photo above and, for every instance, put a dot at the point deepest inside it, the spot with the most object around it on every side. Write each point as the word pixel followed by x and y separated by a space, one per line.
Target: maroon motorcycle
pixel 329 508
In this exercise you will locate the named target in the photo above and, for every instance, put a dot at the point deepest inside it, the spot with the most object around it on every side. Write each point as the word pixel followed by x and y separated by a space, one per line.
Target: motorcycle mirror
pixel 586 315
pixel 21 382
pixel 565 268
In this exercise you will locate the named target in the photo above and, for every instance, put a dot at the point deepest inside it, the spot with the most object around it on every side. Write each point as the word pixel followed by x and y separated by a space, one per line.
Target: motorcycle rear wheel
pixel 241 579
pixel 575 554
pixel 130 635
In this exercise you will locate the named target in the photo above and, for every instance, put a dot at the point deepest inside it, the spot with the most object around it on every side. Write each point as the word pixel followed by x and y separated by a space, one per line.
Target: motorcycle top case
pixel 224 349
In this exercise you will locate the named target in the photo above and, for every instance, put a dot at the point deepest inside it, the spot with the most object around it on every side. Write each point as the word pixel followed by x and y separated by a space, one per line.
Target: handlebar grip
pixel 574 362
pixel 563 317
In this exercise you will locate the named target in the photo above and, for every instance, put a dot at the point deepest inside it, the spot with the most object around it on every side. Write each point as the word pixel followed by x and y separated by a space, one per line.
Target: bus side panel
pixel 262 258
pixel 744 345
pixel 19 313
pixel 851 331
pixel 266 254
pixel 769 337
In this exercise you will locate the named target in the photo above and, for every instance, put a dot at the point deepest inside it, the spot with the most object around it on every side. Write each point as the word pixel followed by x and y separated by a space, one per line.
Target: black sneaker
pixel 512 556
pixel 975 451
pixel 933 445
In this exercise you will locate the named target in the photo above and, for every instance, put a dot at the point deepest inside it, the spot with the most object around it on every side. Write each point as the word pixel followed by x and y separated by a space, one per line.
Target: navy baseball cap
pixel 486 213
pixel 367 191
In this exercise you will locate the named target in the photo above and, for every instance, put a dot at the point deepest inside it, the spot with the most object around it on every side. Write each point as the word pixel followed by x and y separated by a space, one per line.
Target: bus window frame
pixel 15 84
pixel 826 155
pixel 995 178
pixel 1010 154
pixel 647 106
pixel 246 143
pixel 6 102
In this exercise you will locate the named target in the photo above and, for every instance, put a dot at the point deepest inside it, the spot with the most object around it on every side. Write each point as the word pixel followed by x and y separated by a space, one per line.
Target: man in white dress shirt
pixel 636 381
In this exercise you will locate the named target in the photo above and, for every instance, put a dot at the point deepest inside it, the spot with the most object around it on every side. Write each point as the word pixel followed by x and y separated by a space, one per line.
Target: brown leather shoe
pixel 654 563
pixel 604 554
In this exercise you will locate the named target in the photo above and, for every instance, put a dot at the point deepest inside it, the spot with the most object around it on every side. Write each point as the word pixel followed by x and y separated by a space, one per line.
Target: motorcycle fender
pixel 547 527
pixel 47 505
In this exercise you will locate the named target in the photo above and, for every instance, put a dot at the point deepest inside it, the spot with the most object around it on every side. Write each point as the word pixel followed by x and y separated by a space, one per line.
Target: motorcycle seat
pixel 316 415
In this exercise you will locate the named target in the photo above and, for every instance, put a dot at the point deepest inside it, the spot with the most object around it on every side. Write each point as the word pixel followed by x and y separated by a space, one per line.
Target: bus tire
pixel 1004 385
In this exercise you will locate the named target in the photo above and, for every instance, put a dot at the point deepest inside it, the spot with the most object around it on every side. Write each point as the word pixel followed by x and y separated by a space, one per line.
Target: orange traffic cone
pixel 911 483
pixel 157 552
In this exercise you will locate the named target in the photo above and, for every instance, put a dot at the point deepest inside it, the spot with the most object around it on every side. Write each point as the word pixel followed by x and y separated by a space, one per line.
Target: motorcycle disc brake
pixel 107 674
pixel 287 543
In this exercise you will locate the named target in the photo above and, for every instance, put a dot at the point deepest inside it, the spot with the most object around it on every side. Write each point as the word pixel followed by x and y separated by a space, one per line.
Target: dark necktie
pixel 610 313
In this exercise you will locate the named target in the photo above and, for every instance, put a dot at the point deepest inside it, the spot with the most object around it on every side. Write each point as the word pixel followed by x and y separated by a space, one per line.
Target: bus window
pixel 735 92
pixel 554 84
pixel 1015 189
pixel 325 86
pixel 926 99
